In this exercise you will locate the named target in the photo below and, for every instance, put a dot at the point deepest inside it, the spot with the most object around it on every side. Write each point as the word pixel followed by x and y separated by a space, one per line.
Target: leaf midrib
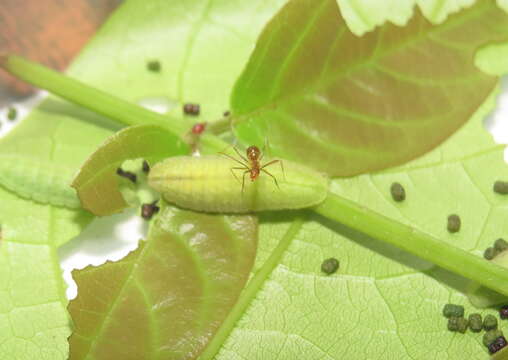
pixel 250 291
pixel 108 312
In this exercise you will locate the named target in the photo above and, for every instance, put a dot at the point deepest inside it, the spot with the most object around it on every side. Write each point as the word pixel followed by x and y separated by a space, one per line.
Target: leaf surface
pixel 382 303
pixel 362 16
pixel 202 46
pixel 97 181
pixel 167 298
pixel 33 319
pixel 349 105
pixel 207 48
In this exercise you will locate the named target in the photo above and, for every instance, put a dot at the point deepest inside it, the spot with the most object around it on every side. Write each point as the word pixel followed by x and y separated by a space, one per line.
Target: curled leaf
pixel 97 181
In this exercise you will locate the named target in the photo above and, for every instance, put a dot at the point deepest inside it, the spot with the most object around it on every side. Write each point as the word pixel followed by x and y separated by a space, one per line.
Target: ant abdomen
pixel 206 184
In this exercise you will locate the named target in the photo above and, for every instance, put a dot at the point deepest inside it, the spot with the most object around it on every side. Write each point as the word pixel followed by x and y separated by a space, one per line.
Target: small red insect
pixel 198 128
pixel 252 164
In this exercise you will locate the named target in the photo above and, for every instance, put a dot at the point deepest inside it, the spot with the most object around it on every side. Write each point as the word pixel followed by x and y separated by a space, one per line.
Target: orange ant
pixel 252 164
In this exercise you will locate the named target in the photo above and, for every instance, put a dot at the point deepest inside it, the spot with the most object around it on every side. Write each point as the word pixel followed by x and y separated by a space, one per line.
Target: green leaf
pixel 286 318
pixel 381 300
pixel 202 47
pixel 97 181
pixel 362 16
pixel 33 319
pixel 167 298
pixel 353 104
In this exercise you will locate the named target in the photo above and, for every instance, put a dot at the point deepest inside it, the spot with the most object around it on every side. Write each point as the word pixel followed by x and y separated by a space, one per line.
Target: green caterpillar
pixel 207 183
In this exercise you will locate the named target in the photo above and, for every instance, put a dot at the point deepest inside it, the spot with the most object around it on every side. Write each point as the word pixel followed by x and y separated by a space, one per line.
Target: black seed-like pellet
pixel 226 113
pixel 329 266
pixel 500 245
pixel 146 166
pixel 453 223
pixel 490 336
pixel 490 322
pixel 126 174
pixel 398 192
pixel 501 187
pixel 489 253
pixel 453 323
pixel 191 109
pixel 497 345
pixel 452 310
pixel 475 322
pixel 148 210
pixel 12 114
pixel 462 324
pixel 503 312
pixel 154 65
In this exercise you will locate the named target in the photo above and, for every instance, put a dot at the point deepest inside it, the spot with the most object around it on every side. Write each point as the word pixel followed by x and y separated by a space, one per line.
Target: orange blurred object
pixel 47 31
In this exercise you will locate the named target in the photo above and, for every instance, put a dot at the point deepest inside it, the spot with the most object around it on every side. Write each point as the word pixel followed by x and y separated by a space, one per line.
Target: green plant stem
pixel 250 291
pixel 416 242
pixel 96 100
pixel 82 94
pixel 336 208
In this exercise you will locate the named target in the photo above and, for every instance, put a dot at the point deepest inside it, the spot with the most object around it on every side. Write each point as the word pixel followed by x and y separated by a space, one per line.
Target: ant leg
pixel 236 168
pixel 273 177
pixel 281 166
pixel 232 158
pixel 241 156
pixel 270 163
pixel 243 179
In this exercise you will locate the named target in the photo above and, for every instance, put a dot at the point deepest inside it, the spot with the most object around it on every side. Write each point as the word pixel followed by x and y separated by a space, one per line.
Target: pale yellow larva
pixel 207 184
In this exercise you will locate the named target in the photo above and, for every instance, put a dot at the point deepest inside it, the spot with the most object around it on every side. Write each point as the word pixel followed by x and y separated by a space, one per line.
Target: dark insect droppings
pixel 462 325
pixel 12 114
pixel 398 192
pixel 490 322
pixel 148 210
pixel 146 167
pixel 226 113
pixel 490 336
pixel 191 109
pixel 453 223
pixel 489 253
pixel 497 345
pixel 503 312
pixel 500 245
pixel 501 187
pixel 452 310
pixel 154 65
pixel 475 322
pixel 329 266
pixel 126 174
pixel 453 324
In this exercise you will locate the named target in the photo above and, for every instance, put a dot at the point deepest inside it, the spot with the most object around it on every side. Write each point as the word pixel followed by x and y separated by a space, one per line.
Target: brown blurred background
pixel 48 31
